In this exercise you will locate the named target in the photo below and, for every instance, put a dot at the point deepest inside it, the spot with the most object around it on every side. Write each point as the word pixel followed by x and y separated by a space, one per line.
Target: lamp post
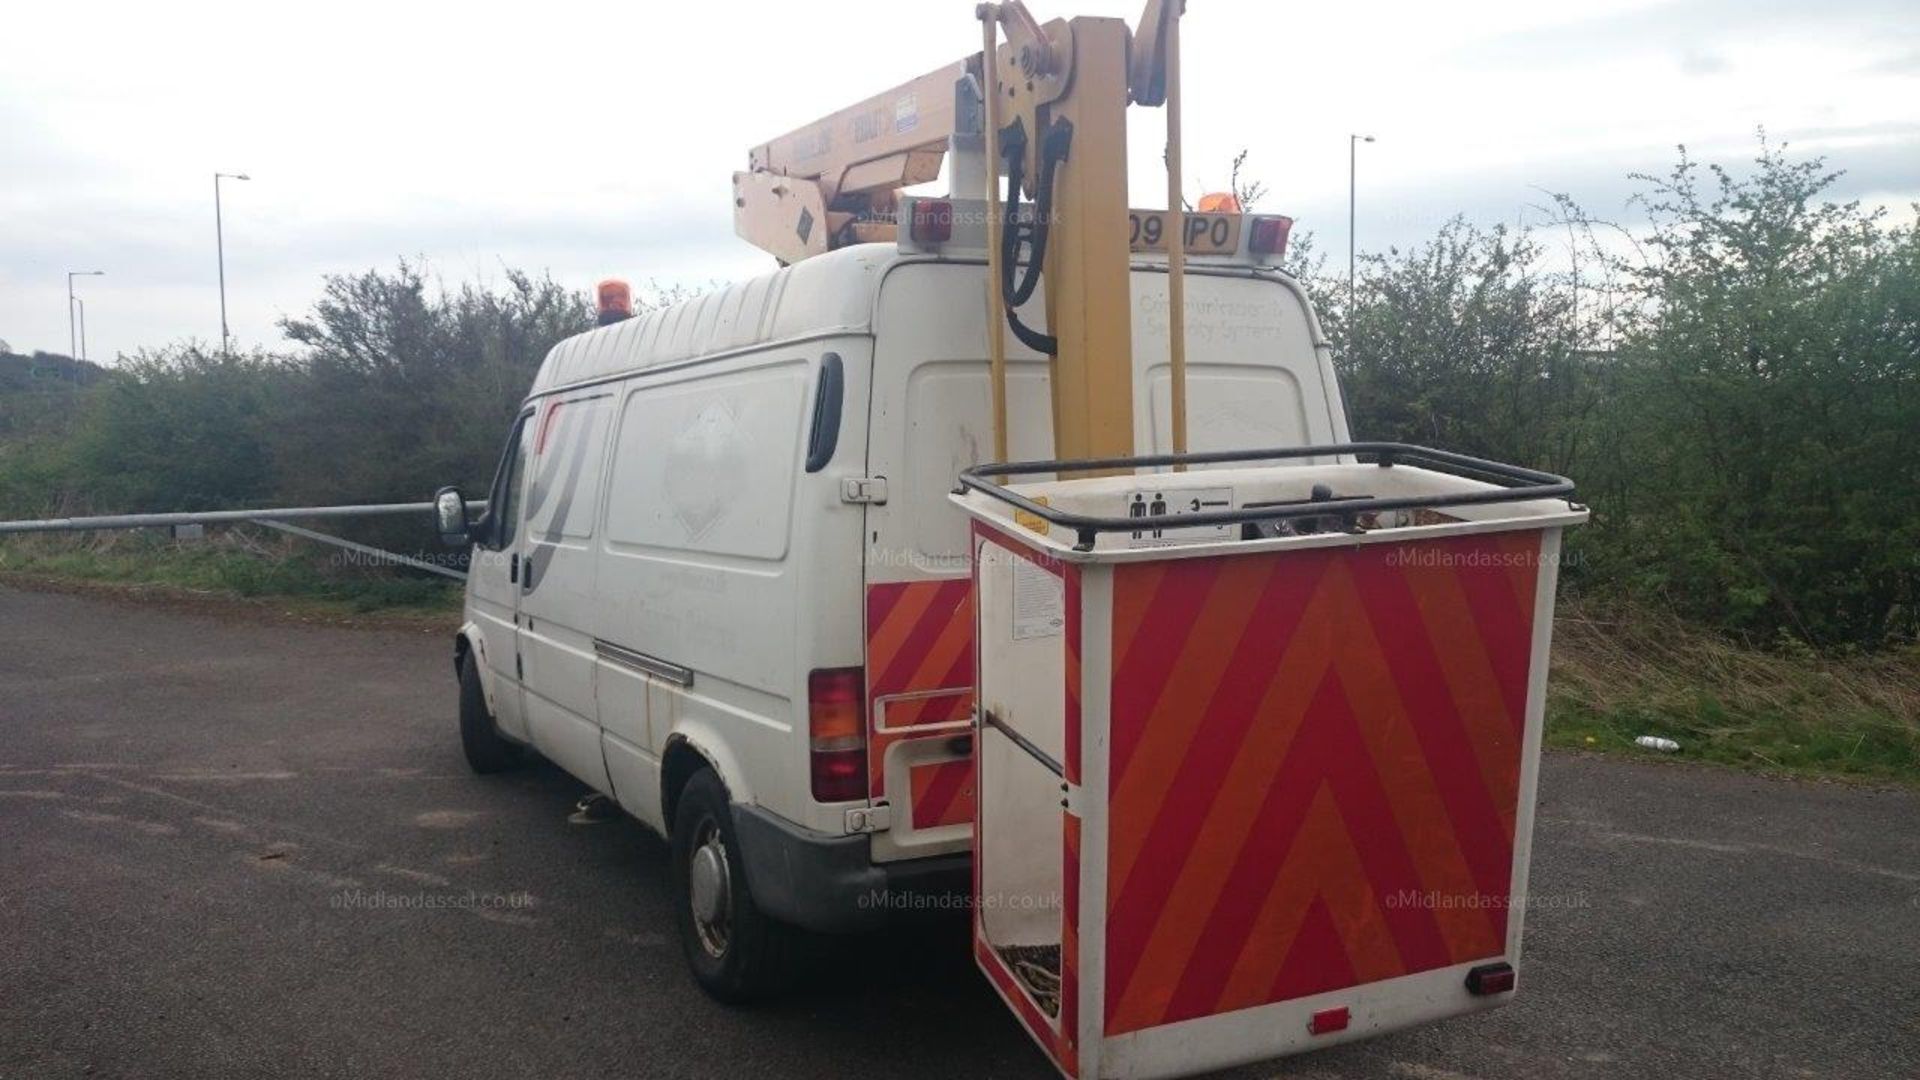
pixel 73 338
pixel 81 301
pixel 1353 148
pixel 220 250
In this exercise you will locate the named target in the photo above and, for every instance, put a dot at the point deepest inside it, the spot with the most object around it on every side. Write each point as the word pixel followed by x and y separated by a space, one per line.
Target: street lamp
pixel 220 249
pixel 1353 146
pixel 73 341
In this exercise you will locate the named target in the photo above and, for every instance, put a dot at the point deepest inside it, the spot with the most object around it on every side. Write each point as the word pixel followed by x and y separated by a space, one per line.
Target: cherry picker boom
pixel 1049 114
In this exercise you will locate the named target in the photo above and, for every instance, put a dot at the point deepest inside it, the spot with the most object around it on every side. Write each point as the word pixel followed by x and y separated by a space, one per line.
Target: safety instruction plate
pixel 1159 511
pixel 1039 602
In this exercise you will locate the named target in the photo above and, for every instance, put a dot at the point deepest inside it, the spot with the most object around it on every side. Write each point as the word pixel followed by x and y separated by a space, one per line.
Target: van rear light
pixel 1328 1021
pixel 1270 236
pixel 932 221
pixel 837 734
pixel 1490 979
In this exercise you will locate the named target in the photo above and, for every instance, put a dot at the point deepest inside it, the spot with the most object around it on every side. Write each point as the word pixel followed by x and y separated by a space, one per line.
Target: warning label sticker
pixel 1161 509
pixel 1039 603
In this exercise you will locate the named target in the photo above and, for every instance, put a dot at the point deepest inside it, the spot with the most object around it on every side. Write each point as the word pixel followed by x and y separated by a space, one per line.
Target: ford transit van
pixel 719 579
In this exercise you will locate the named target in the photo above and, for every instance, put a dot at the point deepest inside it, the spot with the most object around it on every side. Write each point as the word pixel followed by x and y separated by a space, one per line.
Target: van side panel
pixel 727 573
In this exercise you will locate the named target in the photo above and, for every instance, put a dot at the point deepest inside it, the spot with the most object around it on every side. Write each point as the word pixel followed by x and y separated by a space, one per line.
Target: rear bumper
pixel 831 883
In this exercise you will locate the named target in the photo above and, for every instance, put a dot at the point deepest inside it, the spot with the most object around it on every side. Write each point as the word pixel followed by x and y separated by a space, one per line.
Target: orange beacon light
pixel 613 299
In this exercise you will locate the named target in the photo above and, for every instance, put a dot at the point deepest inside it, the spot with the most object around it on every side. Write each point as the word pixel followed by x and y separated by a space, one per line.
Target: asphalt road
pixel 218 838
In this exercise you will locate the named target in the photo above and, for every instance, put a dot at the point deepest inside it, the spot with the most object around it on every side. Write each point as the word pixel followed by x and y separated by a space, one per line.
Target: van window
pixel 710 465
pixel 827 399
pixel 1230 407
pixel 503 499
pixel 569 445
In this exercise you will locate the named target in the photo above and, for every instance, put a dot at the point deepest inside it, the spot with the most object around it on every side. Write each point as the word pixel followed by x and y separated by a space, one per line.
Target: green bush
pixel 1733 378
pixel 1734 381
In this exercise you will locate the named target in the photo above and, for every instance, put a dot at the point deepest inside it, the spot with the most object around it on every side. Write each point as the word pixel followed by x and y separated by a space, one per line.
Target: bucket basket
pixel 1257 744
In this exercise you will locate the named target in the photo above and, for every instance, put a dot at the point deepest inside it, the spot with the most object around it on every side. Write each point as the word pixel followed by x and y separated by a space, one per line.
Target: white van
pixel 720 581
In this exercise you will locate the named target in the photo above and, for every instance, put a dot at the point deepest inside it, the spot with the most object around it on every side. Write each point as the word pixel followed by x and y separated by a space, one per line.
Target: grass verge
pixel 232 563
pixel 1619 673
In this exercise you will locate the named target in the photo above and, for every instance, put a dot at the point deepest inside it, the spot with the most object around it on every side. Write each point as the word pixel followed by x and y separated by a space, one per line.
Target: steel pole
pixel 220 253
pixel 83 327
pixel 76 336
pixel 1353 156
pixel 1176 242
pixel 1353 226
pixel 996 304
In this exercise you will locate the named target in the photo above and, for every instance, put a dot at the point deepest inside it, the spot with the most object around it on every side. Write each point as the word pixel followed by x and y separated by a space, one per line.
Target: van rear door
pixel 1258 375
pixel 931 417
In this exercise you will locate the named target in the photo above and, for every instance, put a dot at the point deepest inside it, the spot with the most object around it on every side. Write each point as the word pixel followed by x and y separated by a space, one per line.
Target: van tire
pixel 487 750
pixel 738 954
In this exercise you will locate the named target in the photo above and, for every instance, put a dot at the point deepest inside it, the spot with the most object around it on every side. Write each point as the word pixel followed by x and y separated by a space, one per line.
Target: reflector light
pixel 613 300
pixel 1270 236
pixel 1490 979
pixel 837 734
pixel 932 221
pixel 1327 1021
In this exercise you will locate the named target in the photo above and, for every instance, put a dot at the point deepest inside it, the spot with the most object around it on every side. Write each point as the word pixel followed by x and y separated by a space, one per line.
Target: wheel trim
pixel 710 889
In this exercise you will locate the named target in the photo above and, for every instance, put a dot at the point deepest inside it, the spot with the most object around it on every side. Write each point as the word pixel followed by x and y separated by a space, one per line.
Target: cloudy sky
pixel 596 140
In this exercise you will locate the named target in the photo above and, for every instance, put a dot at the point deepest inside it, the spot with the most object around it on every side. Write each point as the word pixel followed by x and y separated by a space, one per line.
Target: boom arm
pixel 804 190
pixel 833 182
pixel 1058 95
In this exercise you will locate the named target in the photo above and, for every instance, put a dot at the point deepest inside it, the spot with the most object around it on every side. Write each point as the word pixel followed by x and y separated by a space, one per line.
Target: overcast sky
pixel 596 140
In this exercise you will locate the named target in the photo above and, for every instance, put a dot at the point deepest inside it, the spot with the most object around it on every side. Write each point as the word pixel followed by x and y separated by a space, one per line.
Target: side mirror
pixel 450 516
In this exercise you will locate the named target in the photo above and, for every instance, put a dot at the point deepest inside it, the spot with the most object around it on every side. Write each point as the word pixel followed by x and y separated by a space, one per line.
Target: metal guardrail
pixel 219 517
pixel 268 517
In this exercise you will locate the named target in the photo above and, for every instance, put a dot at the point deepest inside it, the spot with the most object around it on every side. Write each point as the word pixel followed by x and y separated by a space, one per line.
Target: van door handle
pixel 526 574
pixel 513 569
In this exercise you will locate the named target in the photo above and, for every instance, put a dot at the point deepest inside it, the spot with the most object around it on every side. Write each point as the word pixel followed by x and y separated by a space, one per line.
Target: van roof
pixel 828 294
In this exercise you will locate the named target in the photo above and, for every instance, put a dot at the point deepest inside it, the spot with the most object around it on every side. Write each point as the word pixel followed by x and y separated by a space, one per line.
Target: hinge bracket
pixel 870 819
pixel 870 490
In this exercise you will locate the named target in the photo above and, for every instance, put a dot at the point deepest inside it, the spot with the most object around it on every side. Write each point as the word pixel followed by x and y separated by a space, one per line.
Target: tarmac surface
pixel 245 847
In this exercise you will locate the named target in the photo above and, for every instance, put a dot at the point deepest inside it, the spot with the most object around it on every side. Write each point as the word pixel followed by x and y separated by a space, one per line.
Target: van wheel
pixel 487 750
pixel 737 953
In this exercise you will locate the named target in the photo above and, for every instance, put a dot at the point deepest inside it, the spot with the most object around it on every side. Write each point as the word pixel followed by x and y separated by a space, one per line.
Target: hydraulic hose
pixel 1053 151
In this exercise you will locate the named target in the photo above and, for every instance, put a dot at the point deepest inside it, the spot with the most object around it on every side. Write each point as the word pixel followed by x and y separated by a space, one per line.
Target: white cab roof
pixel 829 294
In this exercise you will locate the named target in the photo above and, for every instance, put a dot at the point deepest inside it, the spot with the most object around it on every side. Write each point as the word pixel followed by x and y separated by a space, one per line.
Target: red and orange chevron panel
pixel 1315 769
pixel 942 793
pixel 919 641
